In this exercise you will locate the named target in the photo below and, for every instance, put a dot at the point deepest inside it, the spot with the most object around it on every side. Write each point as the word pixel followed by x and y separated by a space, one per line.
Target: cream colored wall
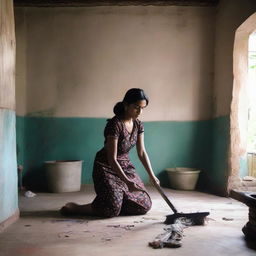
pixel 7 56
pixel 230 15
pixel 21 70
pixel 80 61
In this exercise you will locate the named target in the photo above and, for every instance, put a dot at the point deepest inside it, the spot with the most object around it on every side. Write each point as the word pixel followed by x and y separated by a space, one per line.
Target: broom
pixel 196 218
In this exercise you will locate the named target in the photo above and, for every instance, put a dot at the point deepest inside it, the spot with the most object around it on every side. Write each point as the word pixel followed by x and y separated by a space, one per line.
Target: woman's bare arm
pixel 143 156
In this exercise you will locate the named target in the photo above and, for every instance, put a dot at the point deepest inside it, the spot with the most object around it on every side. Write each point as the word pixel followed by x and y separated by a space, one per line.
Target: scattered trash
pixel 150 218
pixel 128 227
pixel 29 194
pixel 170 238
pixel 69 220
pixel 65 234
pixel 107 239
pixel 114 226
pixel 227 219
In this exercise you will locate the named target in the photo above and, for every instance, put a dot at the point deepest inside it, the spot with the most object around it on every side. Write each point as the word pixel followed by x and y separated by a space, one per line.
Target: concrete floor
pixel 42 231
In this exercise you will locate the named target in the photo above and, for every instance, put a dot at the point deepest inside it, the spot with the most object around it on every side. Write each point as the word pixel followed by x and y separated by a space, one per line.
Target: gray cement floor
pixel 42 231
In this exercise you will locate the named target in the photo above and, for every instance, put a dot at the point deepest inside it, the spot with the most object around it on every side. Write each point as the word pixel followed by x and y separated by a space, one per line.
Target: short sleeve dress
pixel 112 195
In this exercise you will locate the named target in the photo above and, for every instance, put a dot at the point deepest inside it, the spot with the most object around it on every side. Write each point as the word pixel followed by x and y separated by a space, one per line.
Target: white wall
pixel 80 61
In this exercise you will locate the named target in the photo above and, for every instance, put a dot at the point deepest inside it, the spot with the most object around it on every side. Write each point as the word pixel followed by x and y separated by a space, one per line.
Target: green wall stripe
pixel 221 140
pixel 169 144
pixel 20 137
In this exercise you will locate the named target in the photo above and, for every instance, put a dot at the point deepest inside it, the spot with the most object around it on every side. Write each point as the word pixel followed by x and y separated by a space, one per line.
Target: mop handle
pixel 165 197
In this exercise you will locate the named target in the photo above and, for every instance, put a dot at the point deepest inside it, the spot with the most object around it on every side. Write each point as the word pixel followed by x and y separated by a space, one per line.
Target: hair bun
pixel 119 108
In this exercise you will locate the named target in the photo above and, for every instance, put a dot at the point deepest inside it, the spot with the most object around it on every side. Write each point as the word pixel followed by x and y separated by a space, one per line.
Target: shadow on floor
pixel 56 214
pixel 250 244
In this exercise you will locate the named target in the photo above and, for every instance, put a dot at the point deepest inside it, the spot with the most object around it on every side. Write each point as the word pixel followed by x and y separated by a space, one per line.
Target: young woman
pixel 119 189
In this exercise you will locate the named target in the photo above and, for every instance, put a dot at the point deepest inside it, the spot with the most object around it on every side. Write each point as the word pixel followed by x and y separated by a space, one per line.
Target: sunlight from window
pixel 252 94
pixel 251 139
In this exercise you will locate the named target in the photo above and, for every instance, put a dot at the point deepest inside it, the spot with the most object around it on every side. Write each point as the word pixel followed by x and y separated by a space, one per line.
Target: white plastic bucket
pixel 183 178
pixel 64 176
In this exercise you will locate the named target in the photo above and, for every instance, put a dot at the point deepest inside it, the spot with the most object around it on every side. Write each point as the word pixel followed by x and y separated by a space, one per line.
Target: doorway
pixel 243 107
pixel 251 136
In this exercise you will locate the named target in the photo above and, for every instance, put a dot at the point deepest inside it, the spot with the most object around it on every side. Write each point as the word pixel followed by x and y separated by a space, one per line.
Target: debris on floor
pixel 65 234
pixel 227 219
pixel 106 239
pixel 69 220
pixel 150 218
pixel 126 227
pixel 92 238
pixel 170 238
pixel 113 226
pixel 29 194
pixel 136 221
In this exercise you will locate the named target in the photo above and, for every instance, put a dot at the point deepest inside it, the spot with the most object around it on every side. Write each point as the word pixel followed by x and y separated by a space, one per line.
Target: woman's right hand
pixel 154 180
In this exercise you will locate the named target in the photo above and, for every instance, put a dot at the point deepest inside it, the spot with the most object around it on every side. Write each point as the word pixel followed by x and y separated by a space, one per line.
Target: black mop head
pixel 197 218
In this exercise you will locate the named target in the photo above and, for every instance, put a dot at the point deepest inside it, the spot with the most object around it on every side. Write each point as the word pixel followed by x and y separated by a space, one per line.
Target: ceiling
pixel 79 3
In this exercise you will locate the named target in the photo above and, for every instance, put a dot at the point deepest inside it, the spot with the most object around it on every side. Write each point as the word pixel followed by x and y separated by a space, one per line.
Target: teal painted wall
pixel 244 170
pixel 218 178
pixel 20 139
pixel 8 165
pixel 200 144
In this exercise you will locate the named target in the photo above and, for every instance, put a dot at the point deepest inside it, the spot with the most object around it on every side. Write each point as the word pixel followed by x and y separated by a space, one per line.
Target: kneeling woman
pixel 119 189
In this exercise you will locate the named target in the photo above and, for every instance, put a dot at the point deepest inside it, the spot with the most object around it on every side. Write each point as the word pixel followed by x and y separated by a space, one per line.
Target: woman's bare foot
pixel 68 209
pixel 75 209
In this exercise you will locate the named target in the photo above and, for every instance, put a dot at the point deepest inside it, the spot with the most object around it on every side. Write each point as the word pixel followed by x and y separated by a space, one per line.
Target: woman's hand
pixel 155 180
pixel 143 156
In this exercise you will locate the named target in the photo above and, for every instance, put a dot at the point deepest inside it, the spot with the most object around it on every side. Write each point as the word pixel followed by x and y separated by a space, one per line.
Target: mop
pixel 195 218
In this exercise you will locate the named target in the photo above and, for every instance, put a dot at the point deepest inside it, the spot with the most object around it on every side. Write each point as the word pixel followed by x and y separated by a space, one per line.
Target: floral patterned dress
pixel 113 197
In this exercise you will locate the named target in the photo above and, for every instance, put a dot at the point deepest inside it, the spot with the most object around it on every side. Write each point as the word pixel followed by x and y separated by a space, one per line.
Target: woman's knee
pixel 145 208
pixel 107 207
pixel 110 212
pixel 132 208
pixel 146 205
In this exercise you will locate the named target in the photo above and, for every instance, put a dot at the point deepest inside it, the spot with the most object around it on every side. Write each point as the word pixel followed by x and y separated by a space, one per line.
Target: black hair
pixel 133 95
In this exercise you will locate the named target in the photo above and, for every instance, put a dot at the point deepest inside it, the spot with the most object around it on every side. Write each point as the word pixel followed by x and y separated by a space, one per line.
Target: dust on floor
pixel 41 230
